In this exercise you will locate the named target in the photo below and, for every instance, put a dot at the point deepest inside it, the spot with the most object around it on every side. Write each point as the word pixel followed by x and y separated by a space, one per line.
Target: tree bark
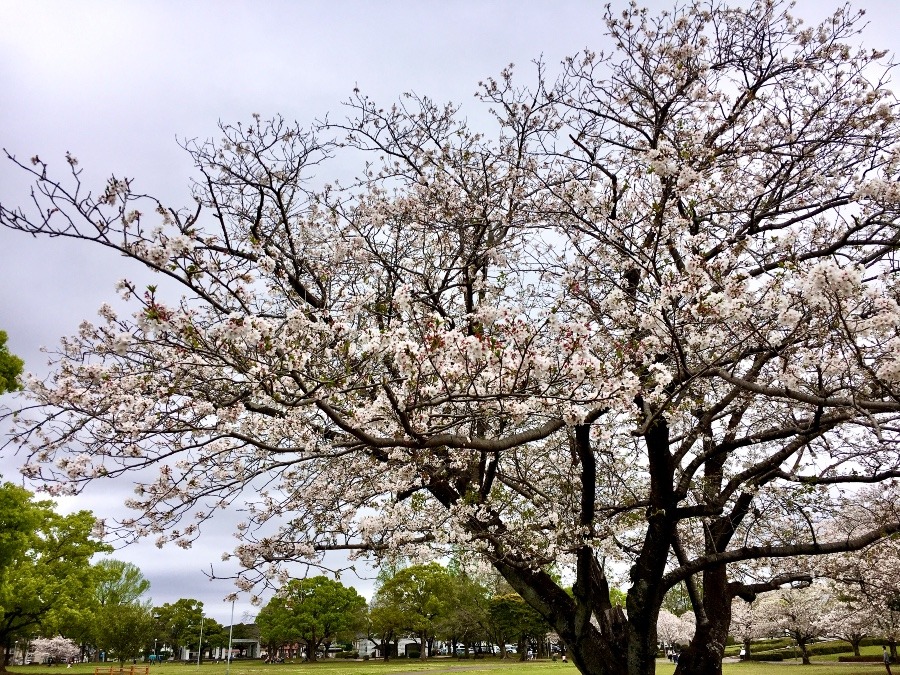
pixel 703 656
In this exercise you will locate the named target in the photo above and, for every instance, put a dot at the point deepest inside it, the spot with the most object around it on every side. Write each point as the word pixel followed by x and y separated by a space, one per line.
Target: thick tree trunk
pixel 423 655
pixel 855 645
pixel 703 656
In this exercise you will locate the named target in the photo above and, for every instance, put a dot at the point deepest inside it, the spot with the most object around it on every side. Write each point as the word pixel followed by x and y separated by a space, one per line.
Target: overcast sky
pixel 116 83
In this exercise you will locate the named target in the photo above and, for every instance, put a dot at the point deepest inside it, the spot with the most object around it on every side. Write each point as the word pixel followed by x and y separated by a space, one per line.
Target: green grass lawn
pixel 448 665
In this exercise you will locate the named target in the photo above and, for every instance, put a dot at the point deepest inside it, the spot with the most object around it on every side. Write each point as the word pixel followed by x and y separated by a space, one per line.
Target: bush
pixel 764 657
pixel 859 659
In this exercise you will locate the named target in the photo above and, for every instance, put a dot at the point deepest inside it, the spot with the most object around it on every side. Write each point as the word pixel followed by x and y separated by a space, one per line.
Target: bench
pixel 122 670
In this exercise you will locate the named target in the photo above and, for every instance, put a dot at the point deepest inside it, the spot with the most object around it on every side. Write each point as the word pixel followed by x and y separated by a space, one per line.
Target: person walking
pixel 887 659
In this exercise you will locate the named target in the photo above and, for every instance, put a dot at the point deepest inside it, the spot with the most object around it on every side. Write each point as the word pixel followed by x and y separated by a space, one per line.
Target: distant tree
pixel 746 623
pixel 178 623
pixel 850 618
pixel 799 613
pixel 10 367
pixel 315 611
pixel 422 593
pixel 214 635
pixel 674 630
pixel 386 620
pixel 677 599
pixel 44 564
pixel 120 583
pixel 518 621
pixel 467 619
pixel 122 630
pixel 58 648
pixel 872 578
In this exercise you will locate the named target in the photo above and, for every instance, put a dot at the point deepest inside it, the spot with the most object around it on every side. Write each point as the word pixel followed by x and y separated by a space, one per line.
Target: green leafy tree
pixel 121 630
pixel 314 611
pixel 121 623
pixel 214 635
pixel 517 620
pixel 467 617
pixel 45 565
pixel 385 622
pixel 121 583
pixel 422 593
pixel 178 623
pixel 10 367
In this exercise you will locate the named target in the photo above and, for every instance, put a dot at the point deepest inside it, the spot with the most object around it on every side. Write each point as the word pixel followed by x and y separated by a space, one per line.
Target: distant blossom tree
pixel 801 614
pixel 674 630
pixel 746 623
pixel 651 321
pixel 59 649
pixel 870 581
pixel 850 618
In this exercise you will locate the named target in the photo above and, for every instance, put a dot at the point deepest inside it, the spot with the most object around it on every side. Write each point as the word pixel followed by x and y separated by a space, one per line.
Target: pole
pixel 200 648
pixel 230 633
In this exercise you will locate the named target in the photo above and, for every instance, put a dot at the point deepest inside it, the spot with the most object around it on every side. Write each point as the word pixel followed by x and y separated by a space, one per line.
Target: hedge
pixel 765 657
pixel 859 659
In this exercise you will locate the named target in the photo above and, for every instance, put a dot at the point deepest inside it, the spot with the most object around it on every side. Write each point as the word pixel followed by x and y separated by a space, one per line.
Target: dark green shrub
pixel 859 659
pixel 765 657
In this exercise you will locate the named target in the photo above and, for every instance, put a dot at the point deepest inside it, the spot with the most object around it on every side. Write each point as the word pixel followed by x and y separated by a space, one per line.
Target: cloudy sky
pixel 117 84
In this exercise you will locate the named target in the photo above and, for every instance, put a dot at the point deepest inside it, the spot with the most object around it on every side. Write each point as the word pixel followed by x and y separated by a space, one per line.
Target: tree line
pixel 427 602
pixel 49 586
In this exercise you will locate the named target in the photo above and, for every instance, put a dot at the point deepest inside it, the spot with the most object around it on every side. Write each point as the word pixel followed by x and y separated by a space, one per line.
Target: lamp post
pixel 155 652
pixel 230 633
pixel 200 648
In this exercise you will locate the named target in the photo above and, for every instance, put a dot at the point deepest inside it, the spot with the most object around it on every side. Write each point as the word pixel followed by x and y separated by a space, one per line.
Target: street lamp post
pixel 200 648
pixel 230 633
pixel 155 652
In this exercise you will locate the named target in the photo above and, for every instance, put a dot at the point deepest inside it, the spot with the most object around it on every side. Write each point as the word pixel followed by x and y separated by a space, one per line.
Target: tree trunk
pixel 423 655
pixel 855 645
pixel 803 652
pixel 4 656
pixel 703 656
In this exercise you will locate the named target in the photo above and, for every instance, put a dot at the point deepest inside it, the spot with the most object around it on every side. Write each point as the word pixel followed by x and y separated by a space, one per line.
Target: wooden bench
pixel 122 670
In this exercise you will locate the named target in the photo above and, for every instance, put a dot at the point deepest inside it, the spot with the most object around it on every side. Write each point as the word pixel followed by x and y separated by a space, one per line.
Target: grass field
pixel 442 665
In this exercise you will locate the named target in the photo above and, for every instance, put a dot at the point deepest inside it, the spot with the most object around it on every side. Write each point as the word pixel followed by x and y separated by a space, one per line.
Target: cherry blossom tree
pixel 651 319
pixel 58 648
pixel 672 629
pixel 747 624
pixel 801 614
pixel 870 581
pixel 850 618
